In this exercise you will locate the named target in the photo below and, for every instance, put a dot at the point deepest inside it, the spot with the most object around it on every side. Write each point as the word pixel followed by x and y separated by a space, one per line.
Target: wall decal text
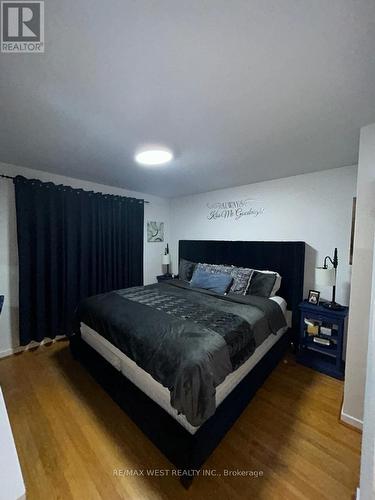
pixel 234 209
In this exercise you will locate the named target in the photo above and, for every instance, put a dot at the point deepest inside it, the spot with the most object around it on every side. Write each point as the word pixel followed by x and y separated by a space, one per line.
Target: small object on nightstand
pixel 164 277
pixel 326 276
pixel 312 327
pixel 325 330
pixel 321 339
pixel 313 297
pixel 166 259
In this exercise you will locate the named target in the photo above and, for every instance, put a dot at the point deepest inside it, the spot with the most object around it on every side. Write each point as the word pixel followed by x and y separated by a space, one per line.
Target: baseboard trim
pixel 352 421
pixel 10 352
pixel 32 345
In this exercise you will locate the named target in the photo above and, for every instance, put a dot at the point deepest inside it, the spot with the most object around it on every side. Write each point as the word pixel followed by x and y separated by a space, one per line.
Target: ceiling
pixel 241 90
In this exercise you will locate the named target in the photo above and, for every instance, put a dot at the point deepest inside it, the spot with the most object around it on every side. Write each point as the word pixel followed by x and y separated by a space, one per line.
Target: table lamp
pixel 166 261
pixel 326 276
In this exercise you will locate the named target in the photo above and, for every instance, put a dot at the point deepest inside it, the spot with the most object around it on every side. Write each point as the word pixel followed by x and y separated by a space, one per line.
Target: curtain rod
pixel 9 177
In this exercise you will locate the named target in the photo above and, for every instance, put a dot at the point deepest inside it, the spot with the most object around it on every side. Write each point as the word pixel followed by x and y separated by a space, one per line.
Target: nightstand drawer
pixel 324 318
pixel 315 317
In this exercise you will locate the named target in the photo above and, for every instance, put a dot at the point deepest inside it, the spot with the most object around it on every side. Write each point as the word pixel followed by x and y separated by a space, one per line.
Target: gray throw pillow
pixel 262 284
pixel 186 269
pixel 241 280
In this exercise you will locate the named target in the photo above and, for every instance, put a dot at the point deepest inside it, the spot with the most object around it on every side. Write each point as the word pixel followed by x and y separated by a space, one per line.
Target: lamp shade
pixel 166 259
pixel 325 276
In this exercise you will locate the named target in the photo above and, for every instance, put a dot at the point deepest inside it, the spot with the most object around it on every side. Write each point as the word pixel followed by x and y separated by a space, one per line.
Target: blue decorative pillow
pixel 241 276
pixel 216 282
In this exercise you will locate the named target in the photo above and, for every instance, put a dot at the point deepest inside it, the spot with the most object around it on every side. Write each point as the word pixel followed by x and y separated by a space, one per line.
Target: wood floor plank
pixel 74 442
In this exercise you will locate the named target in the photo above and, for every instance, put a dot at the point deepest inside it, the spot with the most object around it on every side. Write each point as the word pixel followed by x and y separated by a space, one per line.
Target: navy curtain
pixel 72 244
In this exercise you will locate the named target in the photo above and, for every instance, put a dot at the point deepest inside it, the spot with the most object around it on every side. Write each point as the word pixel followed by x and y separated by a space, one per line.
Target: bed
pixel 186 428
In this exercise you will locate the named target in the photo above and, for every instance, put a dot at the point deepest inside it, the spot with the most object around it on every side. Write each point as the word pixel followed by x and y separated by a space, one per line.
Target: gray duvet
pixel 188 340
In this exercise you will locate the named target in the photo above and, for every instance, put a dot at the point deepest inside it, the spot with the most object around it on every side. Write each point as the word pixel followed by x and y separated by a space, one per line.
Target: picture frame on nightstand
pixel 313 297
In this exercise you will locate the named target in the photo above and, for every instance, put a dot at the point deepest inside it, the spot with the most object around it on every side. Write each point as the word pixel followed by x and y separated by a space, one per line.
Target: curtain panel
pixel 72 244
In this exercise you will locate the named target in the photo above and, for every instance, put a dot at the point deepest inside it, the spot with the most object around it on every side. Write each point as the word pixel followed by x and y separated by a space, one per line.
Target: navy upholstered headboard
pixel 285 257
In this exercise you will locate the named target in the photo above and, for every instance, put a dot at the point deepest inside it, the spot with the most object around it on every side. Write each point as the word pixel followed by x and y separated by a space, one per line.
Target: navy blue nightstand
pixel 164 277
pixel 330 326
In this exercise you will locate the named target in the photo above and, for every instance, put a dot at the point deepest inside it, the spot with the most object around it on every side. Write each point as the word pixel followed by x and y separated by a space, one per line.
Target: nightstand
pixel 164 277
pixel 321 339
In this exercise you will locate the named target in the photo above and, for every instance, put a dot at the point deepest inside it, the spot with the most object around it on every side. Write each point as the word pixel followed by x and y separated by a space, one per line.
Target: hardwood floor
pixel 74 442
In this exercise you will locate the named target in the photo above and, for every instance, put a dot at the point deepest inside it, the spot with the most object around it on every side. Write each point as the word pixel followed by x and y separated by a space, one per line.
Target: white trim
pixel 348 419
pixel 11 480
pixel 358 495
pixel 367 476
pixel 11 351
pixel 32 345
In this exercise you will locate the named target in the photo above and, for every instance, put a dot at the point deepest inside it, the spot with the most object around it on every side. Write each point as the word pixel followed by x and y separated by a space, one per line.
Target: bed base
pixel 185 451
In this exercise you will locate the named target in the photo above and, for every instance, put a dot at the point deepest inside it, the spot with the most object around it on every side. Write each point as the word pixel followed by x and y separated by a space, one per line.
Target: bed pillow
pixel 264 283
pixel 241 276
pixel 186 269
pixel 216 282
pixel 241 280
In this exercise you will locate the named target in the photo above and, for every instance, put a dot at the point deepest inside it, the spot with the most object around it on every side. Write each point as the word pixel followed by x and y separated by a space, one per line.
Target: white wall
pixel 361 280
pixel 157 210
pixel 315 208
pixel 367 482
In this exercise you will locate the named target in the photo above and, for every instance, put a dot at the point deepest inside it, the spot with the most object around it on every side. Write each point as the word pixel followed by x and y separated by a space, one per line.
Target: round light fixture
pixel 153 155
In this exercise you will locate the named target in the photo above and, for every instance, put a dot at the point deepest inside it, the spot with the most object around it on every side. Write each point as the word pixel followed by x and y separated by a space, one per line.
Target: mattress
pixel 160 394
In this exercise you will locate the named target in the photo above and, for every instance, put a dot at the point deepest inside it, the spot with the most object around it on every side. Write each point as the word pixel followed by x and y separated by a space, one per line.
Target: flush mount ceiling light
pixel 153 155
